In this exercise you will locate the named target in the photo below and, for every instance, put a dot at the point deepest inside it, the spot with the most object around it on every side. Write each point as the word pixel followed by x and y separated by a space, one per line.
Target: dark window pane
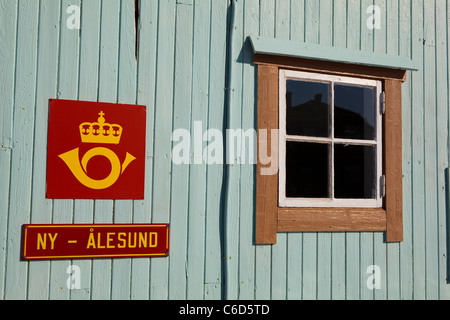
pixel 354 112
pixel 355 174
pixel 307 108
pixel 307 170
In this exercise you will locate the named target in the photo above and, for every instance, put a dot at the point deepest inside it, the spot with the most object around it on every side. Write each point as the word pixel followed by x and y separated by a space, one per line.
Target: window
pixel 330 141
pixel 337 115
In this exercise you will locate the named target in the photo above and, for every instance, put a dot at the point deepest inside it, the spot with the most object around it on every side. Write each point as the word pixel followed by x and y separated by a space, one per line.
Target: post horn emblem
pixel 102 133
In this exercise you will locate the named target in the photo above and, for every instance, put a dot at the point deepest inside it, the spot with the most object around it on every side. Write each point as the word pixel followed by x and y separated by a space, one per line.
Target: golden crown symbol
pixel 100 132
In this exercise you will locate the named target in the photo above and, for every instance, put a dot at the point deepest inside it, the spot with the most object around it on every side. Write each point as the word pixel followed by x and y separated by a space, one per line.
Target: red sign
pixel 95 150
pixel 58 242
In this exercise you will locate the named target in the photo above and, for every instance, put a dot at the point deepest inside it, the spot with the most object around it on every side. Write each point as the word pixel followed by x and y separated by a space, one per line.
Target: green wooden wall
pixel 180 75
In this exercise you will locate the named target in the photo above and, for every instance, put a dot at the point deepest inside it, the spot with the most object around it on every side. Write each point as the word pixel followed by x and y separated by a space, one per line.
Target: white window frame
pixel 283 201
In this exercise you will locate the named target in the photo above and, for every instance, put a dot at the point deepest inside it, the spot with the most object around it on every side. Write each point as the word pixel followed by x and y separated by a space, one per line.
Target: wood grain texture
pixel 349 69
pixel 162 145
pixel 336 219
pixel 8 37
pixel 393 161
pixel 8 22
pixel 46 86
pixel 267 185
pixel 146 64
pixel 22 152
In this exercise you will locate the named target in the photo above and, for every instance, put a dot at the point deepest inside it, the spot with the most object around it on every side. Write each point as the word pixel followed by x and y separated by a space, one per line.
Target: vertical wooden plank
pixel 101 269
pixel 446 293
pixel 394 193
pixel 354 13
pixel 8 30
pixel 295 240
pixel 5 167
pixel 406 247
pixel 107 92
pixel 309 259
pixel 353 240
pixel 262 273
pixel 279 250
pixel 197 172
pixel 366 238
pixel 324 239
pixel 267 18
pixel 312 20
pixel 67 88
pixel 123 209
pixel 293 267
pixel 234 158
pixel 263 253
pixel 213 285
pixel 338 245
pixel 22 152
pixel 162 137
pixel 430 149
pixel 180 173
pixel 89 54
pixel 326 22
pixel 340 23
pixel 282 19
pixel 279 268
pixel 148 37
pixel 442 140
pixel 392 27
pixel 83 211
pixel 418 199
pixel 38 278
pixel 297 20
pixel 353 272
pixel 266 207
pixel 213 256
pixel 394 222
pixel 379 45
pixel 247 222
pixel 367 34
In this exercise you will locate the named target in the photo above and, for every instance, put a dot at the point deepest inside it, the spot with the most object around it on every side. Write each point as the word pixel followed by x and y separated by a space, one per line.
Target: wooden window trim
pixel 270 218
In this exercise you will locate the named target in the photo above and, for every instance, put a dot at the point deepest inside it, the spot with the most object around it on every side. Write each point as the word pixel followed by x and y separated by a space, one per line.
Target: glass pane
pixel 354 112
pixel 354 172
pixel 307 109
pixel 307 170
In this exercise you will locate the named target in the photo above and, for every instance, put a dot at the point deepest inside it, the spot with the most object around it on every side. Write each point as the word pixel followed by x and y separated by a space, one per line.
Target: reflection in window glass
pixel 308 108
pixel 354 112
pixel 307 170
pixel 354 172
pixel 331 141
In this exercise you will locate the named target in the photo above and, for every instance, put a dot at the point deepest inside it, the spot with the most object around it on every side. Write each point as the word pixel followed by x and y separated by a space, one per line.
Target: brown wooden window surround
pixel 272 218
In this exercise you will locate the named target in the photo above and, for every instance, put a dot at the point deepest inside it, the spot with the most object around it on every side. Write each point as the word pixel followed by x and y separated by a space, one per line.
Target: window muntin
pixel 330 141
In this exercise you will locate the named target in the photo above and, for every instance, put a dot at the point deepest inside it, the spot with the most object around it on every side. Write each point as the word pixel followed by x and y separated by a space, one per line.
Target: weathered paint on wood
pixel 180 74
